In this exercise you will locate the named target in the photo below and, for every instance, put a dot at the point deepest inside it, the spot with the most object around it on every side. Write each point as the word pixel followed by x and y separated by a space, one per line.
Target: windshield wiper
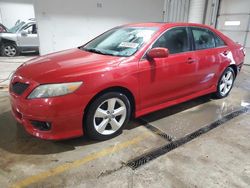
pixel 98 51
pixel 95 51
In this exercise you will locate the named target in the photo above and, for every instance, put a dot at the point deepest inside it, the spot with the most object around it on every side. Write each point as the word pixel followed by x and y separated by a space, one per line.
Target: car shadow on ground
pixel 30 54
pixel 154 116
pixel 14 139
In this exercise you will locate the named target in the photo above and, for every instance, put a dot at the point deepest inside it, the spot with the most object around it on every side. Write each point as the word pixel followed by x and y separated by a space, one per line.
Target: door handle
pixel 225 52
pixel 191 60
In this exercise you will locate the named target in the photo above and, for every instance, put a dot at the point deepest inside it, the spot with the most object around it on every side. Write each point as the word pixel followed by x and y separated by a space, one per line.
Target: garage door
pixel 176 10
pixel 234 21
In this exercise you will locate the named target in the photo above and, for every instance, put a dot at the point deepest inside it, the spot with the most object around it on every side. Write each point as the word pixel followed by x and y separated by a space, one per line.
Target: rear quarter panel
pixel 238 55
pixel 235 48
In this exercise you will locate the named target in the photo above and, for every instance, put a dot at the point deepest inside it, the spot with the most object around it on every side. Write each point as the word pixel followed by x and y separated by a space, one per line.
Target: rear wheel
pixel 9 50
pixel 225 83
pixel 107 116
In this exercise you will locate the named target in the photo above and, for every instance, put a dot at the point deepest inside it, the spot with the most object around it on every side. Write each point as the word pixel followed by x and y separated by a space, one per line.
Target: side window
pixel 30 29
pixel 203 39
pixel 34 29
pixel 176 40
pixel 218 41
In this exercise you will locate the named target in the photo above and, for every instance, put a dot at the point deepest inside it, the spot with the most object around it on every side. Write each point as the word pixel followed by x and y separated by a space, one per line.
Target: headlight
pixel 53 90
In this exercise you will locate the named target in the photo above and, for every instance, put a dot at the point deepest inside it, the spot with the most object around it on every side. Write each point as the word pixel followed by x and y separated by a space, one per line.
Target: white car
pixel 21 38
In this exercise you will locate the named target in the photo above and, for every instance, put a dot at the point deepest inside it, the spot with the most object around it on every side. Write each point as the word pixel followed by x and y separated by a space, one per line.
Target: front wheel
pixel 107 116
pixel 225 83
pixel 9 50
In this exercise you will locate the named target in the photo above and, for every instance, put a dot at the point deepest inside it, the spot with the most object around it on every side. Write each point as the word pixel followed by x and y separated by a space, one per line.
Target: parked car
pixel 128 71
pixel 21 38
pixel 3 29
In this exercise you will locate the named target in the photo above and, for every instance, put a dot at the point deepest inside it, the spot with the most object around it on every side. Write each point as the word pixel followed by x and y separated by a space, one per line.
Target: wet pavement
pixel 219 158
pixel 184 119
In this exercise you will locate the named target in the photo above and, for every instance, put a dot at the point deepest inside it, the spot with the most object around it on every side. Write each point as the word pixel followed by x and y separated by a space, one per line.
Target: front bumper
pixel 65 113
pixel 66 121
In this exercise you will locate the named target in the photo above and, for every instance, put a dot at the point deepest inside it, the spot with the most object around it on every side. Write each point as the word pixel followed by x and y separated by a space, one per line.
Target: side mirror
pixel 158 53
pixel 24 33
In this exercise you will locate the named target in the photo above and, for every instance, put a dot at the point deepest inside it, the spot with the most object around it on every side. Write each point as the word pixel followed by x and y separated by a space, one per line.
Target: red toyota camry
pixel 130 70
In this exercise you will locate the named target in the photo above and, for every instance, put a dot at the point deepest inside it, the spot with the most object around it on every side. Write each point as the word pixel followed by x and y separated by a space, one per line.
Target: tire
pixel 9 50
pixel 225 83
pixel 106 116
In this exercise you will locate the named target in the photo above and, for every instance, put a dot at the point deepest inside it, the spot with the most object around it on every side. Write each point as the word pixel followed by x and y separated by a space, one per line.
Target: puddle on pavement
pixel 185 118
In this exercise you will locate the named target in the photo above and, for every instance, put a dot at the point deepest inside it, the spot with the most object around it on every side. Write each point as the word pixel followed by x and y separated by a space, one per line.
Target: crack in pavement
pixel 108 172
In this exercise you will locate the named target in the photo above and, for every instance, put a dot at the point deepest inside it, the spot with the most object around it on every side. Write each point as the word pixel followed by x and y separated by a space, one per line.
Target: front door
pixel 27 38
pixel 169 78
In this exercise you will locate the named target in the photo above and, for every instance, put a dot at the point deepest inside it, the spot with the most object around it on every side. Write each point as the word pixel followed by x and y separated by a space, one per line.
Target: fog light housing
pixel 41 125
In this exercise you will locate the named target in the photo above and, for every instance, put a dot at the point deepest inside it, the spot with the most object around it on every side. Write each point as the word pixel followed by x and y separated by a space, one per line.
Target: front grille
pixel 18 88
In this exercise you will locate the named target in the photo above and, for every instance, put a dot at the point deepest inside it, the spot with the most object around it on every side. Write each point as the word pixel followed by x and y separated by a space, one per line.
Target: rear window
pixel 203 38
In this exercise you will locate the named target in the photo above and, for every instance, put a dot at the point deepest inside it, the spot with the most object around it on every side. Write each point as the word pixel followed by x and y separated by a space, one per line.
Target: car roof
pixel 165 24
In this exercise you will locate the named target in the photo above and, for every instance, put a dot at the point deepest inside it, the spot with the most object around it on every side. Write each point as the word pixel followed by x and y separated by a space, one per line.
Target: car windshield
pixel 15 28
pixel 124 41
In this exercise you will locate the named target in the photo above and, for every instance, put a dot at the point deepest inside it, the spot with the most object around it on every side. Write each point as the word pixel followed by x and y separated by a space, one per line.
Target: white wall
pixel 67 24
pixel 12 11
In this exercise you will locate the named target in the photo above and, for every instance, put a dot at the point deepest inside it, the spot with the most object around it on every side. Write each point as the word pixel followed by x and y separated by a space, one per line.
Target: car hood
pixel 66 65
pixel 8 35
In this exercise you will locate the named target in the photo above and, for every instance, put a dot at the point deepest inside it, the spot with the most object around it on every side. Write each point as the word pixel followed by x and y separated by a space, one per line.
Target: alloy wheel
pixel 10 50
pixel 226 83
pixel 110 116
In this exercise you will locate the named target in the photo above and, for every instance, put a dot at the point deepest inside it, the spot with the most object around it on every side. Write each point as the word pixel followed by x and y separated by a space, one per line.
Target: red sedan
pixel 130 70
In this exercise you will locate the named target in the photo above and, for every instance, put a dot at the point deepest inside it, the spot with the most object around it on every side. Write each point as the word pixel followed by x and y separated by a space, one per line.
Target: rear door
pixel 210 52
